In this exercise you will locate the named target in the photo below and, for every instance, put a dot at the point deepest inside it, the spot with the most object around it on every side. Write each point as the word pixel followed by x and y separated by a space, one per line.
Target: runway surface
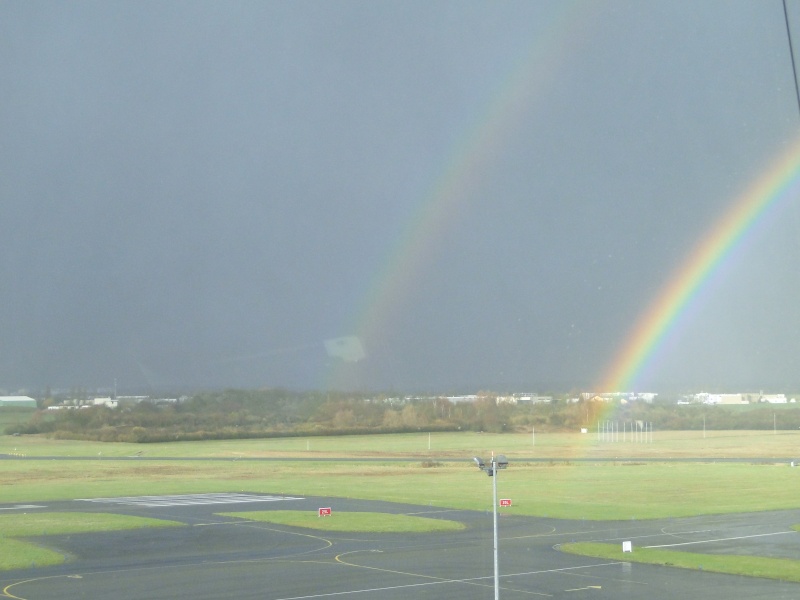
pixel 218 557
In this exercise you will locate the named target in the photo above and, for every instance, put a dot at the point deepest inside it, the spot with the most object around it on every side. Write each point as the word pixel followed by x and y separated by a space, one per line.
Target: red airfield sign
pixel 505 502
pixel 324 512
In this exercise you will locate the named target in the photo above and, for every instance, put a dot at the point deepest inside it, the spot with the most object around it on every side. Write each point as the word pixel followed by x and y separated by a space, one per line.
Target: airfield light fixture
pixel 497 462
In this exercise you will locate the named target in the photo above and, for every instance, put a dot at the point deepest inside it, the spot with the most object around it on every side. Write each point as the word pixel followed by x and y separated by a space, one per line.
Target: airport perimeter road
pixel 215 557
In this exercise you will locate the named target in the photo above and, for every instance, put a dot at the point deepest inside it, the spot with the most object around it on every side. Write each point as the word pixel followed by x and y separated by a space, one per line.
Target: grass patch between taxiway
pixel 361 522
pixel 783 569
pixel 18 553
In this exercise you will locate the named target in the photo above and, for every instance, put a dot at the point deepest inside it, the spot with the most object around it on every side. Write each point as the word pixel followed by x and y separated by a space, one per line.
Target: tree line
pixel 239 414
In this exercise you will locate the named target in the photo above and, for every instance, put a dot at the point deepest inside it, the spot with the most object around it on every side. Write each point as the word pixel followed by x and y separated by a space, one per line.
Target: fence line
pixel 634 432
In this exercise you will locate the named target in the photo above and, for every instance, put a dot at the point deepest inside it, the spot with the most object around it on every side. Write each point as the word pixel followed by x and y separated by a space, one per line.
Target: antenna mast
pixel 791 53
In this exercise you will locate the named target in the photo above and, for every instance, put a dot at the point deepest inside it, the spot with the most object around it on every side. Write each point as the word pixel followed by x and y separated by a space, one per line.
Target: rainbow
pixel 462 174
pixel 666 312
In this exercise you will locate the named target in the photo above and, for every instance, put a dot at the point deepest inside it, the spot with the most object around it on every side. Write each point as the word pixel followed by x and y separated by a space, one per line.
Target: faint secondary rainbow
pixel 665 313
pixel 462 173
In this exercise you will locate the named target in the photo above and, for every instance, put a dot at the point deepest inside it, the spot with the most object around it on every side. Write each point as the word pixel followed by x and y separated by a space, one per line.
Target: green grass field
pixel 623 489
pixel 364 522
pixel 783 569
pixel 578 490
pixel 18 554
pixel 444 446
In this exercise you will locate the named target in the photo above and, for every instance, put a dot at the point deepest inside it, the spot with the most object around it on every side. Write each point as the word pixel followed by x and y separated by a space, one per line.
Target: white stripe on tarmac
pixel 21 507
pixel 469 581
pixel 741 537
pixel 188 499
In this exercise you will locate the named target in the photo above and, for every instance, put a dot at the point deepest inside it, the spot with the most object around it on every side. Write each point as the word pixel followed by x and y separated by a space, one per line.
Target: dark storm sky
pixel 201 193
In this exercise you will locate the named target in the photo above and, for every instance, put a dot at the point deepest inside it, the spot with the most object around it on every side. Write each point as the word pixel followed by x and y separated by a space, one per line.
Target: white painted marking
pixel 741 537
pixel 21 507
pixel 663 530
pixel 398 587
pixel 446 581
pixel 432 512
pixel 187 499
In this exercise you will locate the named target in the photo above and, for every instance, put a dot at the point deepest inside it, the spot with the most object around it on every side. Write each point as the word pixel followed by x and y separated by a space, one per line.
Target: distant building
pixel 618 396
pixel 524 398
pixel 728 399
pixel 131 400
pixel 527 398
pixel 17 401
pixel 457 399
pixel 104 402
pixel 773 398
pixel 733 399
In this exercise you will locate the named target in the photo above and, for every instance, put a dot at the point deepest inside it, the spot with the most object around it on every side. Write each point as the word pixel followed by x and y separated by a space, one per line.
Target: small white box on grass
pixel 627 547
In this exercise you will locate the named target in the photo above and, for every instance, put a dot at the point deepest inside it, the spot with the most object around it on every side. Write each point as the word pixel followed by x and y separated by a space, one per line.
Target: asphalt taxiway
pixel 221 557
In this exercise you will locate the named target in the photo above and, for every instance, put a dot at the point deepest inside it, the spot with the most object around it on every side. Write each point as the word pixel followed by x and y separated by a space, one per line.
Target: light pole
pixel 496 463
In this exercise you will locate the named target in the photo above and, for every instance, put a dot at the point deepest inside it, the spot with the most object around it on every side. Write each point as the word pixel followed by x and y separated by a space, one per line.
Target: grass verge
pixel 783 569
pixel 19 554
pixel 362 522
pixel 780 445
pixel 595 491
